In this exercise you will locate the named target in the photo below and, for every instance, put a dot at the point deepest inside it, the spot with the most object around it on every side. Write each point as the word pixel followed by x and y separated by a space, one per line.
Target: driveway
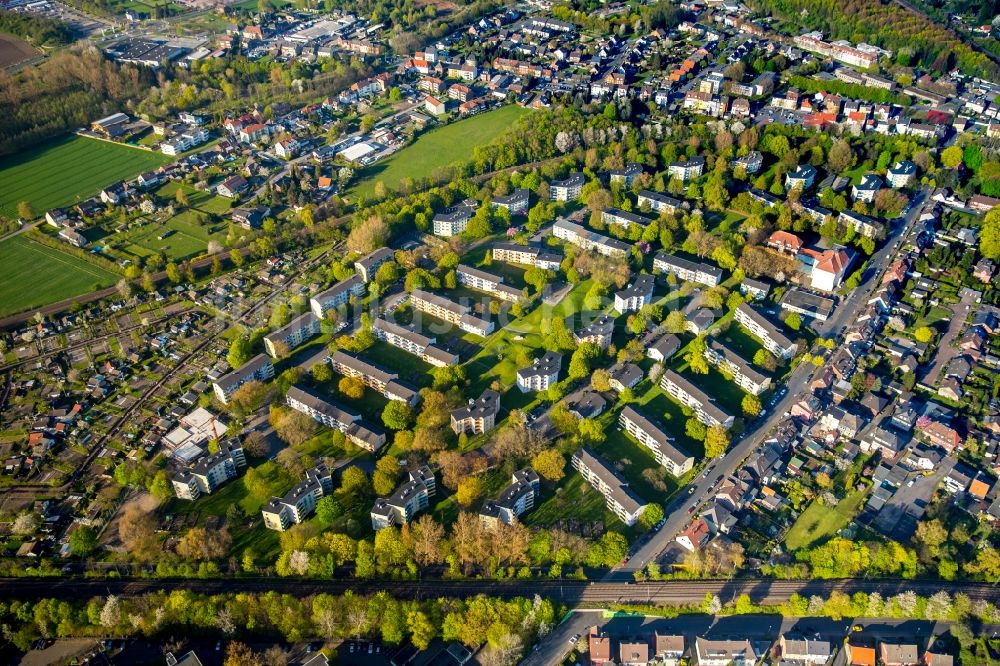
pixel 946 349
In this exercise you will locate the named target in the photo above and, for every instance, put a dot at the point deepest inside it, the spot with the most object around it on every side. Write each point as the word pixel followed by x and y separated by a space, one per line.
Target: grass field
pixel 66 170
pixel 437 148
pixel 819 521
pixel 53 275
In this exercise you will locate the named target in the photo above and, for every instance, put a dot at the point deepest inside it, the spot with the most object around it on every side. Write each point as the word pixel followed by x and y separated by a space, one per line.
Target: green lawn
pixel 66 170
pixel 439 147
pixel 51 274
pixel 819 521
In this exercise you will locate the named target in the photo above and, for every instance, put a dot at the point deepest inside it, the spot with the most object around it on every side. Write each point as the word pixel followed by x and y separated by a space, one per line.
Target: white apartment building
pixel 293 334
pixel 374 377
pixel 686 171
pixel 370 438
pixel 408 499
pixel 568 189
pixel 367 265
pixel 659 203
pixel 745 375
pixel 337 295
pixel 542 374
pixel 589 240
pixel 280 513
pixel 528 255
pixel 259 368
pixel 624 218
pixel 487 282
pixel 761 328
pixel 517 499
pixel 689 395
pixel 619 498
pixel 408 340
pixel 209 472
pixel 653 437
pixel 635 295
pixel 686 270
pixel 450 311
pixel 478 416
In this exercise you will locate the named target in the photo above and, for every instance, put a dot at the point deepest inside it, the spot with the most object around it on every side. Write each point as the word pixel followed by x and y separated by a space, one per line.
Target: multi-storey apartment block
pixel 589 240
pixel 451 312
pixel 408 499
pixel 624 218
pixel 259 368
pixel 687 270
pixel 528 255
pixel 655 438
pixel 745 375
pixel 542 374
pixel 337 295
pixel 516 202
pixel 598 332
pixel 625 177
pixel 290 336
pixel 660 203
pixel 516 499
pixel 487 282
pixel 636 295
pixel 761 328
pixel 455 220
pixel 376 378
pixel 686 171
pixel 478 416
pixel 568 189
pixel 408 340
pixel 370 438
pixel 813 41
pixel 210 471
pixel 689 395
pixel 619 498
pixel 367 265
pixel 280 513
pixel 807 304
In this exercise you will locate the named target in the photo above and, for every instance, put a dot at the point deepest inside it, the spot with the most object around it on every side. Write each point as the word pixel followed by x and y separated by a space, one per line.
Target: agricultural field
pixel 437 148
pixel 14 50
pixel 54 275
pixel 66 170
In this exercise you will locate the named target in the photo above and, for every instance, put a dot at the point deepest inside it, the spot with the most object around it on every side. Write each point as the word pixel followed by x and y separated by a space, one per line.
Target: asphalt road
pixel 678 514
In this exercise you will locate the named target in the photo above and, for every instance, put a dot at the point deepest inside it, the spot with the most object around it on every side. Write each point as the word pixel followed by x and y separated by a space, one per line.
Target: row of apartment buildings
pixel 761 328
pixel 451 312
pixel 374 377
pixel 369 437
pixel 618 497
pixel 486 282
pixel 689 395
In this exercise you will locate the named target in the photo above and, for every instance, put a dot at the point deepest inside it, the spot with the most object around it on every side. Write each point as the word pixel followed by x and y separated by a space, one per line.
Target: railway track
pixel 577 592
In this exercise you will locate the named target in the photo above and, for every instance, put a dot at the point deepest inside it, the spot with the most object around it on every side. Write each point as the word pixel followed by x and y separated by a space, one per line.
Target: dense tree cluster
pixel 914 39
pixel 38 30
pixel 504 627
pixel 68 90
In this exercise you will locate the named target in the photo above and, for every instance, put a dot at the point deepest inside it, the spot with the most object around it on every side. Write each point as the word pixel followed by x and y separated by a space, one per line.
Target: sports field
pixel 66 170
pixel 439 147
pixel 36 275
